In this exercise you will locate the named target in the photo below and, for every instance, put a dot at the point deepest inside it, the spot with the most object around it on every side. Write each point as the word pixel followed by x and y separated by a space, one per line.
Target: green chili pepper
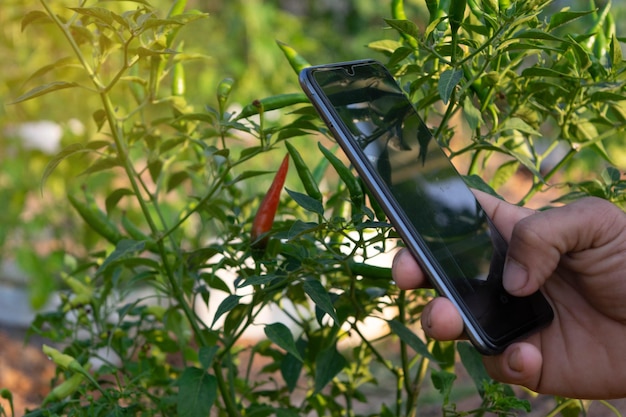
pixel 78 287
pixel 456 14
pixel 137 234
pixel 434 10
pixel 66 388
pixel 306 177
pixel 376 207
pixel 297 61
pixel 264 218
pixel 157 64
pixel 369 271
pixel 178 79
pixel 397 9
pixel 95 218
pixel 177 8
pixel 62 360
pixel 345 173
pixel 398 13
pixel 477 86
pixel 272 103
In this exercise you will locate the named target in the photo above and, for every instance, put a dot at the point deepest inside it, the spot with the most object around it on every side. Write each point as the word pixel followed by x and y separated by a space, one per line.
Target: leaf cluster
pixel 535 93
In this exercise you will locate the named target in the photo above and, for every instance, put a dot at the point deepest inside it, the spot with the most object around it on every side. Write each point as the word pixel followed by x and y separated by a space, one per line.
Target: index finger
pixel 406 272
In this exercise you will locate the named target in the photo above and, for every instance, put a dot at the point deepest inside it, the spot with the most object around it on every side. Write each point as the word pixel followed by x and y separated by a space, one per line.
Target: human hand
pixel 577 255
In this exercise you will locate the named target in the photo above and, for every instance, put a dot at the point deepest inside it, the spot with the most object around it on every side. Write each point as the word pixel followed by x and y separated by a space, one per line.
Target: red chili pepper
pixel 264 218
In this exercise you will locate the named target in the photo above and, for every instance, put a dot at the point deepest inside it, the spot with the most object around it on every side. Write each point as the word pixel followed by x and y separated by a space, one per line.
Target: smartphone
pixel 426 200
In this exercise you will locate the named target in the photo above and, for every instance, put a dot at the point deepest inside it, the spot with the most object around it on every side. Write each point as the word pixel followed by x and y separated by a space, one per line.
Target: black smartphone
pixel 425 199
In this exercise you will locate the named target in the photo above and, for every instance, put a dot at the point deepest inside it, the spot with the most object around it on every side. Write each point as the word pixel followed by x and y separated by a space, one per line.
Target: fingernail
pixel 515 276
pixel 515 361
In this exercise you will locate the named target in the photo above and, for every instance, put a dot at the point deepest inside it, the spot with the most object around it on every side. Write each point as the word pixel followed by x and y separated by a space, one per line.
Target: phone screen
pixel 426 199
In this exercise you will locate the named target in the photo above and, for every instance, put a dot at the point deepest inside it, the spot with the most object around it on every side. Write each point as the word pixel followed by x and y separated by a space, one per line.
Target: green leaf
pixel 329 363
pixel 320 297
pixel 234 318
pixel 544 72
pixel 504 173
pixel 399 55
pixel 197 258
pixel 225 306
pixel 197 392
pixel 100 117
pixel 34 16
pixel 476 182
pixel 445 353
pixel 406 27
pixel 246 175
pixel 385 46
pixel 616 53
pixel 306 202
pixel 102 164
pixel 410 338
pixel 448 82
pixel 443 381
pixel 56 160
pixel 146 52
pixel 124 248
pixel 115 197
pixel 611 175
pixel 582 55
pixel 473 363
pixel 561 18
pixel 537 34
pixel 299 228
pixel 472 114
pixel 176 179
pixel 44 89
pixel 604 96
pixel 257 280
pixel 515 123
pixel 280 335
pixel 290 369
pixel 60 63
pixel 206 355
pixel 99 13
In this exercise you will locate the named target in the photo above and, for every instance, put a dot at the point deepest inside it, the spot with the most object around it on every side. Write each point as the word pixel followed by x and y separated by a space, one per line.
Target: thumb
pixel 539 241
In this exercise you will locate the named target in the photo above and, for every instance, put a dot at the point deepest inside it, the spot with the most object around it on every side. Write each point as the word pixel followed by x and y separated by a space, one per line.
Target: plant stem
pixel 92 75
pixel 538 184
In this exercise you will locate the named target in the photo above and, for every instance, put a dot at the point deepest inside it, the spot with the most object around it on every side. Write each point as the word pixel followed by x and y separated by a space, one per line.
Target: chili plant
pixel 158 312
